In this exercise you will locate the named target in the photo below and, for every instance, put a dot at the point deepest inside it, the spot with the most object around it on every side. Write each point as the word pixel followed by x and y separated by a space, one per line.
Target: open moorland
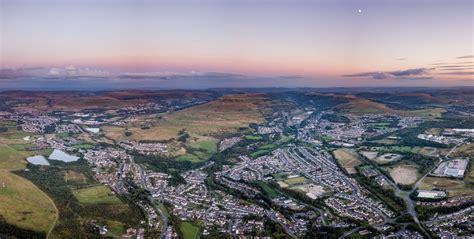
pixel 22 203
pixel 193 133
pixel 365 106
pixel 222 115
pixel 74 101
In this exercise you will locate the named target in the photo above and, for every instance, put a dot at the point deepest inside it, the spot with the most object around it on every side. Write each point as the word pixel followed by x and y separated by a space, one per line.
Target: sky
pixel 230 43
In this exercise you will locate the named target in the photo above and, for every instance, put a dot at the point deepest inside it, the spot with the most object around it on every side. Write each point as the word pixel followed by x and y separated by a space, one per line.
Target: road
pixel 405 195
pixel 163 217
pixel 349 232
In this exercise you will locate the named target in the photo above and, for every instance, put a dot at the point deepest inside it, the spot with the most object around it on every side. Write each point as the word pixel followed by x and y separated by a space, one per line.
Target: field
pixel 364 106
pixel 466 150
pixel 75 177
pixel 188 230
pixel 12 135
pixel 11 159
pixel 83 146
pixel 209 145
pixel 96 195
pixel 405 174
pixel 270 191
pixel 293 181
pixel 348 159
pixel 253 137
pixel 116 228
pixel 452 186
pixel 469 176
pixel 386 141
pixel 24 205
pixel 21 203
pixel 262 150
pixel 371 155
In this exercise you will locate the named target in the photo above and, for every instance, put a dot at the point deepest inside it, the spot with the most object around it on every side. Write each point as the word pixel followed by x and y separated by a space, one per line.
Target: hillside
pixel 202 123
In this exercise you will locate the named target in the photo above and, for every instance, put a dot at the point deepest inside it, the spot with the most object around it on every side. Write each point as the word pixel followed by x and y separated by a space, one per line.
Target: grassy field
pixel 259 153
pixel 293 181
pixel 188 230
pixel 253 137
pixel 364 106
pixel 12 135
pixel 386 141
pixel 21 203
pixel 96 195
pixel 190 157
pixel 116 228
pixel 278 176
pixel 24 205
pixel 469 176
pixel 466 150
pixel 348 159
pixel 210 146
pixel 262 150
pixel 22 147
pixel 270 191
pixel 83 146
pixel 13 159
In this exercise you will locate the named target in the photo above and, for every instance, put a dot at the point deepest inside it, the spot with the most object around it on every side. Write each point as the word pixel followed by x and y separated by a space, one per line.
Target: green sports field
pixel 96 195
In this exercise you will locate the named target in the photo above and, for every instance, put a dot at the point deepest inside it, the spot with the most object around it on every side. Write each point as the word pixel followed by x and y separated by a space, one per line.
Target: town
pixel 300 169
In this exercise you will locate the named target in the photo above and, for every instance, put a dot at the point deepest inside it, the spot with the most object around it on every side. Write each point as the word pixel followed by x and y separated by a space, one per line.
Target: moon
pixel 360 10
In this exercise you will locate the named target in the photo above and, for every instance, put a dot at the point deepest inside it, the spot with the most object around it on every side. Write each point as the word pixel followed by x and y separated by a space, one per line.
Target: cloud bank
pixel 409 74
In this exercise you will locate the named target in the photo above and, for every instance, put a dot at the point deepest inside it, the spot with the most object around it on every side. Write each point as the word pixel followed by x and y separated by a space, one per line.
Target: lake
pixel 37 160
pixel 62 156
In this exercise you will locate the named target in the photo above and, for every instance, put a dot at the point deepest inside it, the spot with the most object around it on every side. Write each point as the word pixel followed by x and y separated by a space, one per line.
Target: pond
pixel 62 156
pixel 37 160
